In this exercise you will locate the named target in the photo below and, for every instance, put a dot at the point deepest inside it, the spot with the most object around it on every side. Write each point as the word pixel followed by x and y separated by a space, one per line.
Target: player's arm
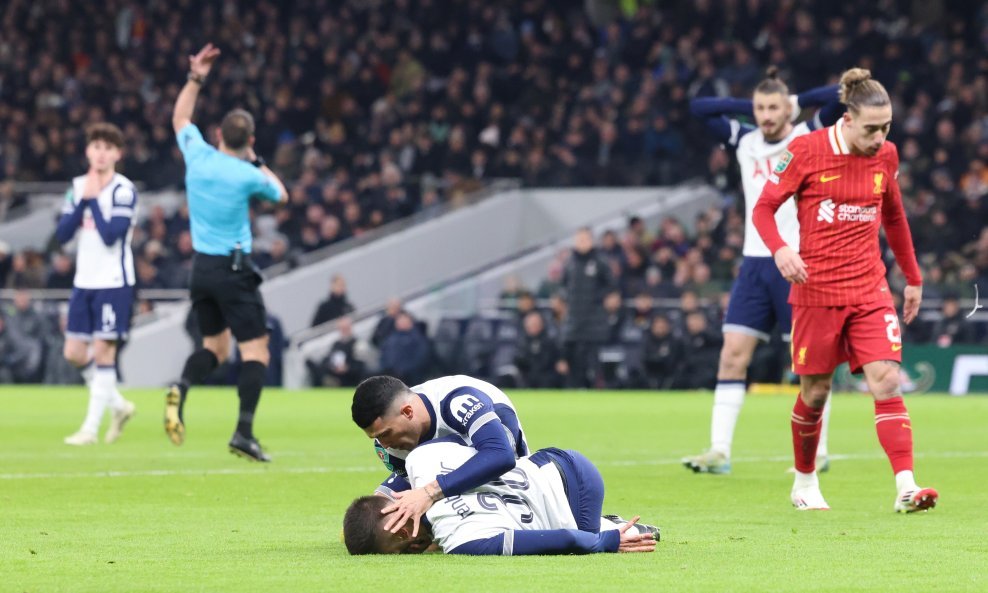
pixel 71 218
pixel 827 98
pixel 470 412
pixel 545 542
pixel 714 111
pixel 900 239
pixel 121 215
pixel 270 186
pixel 786 180
pixel 185 104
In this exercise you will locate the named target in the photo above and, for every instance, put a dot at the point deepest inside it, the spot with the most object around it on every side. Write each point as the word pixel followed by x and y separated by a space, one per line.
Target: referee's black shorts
pixel 223 298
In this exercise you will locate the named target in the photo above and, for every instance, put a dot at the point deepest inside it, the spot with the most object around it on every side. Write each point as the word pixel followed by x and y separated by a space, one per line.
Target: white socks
pixel 728 399
pixel 805 481
pixel 102 393
pixel 905 480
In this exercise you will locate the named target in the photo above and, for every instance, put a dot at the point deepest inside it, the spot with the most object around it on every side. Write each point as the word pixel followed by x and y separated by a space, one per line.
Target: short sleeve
pixel 466 409
pixel 191 142
pixel 124 201
pixel 265 188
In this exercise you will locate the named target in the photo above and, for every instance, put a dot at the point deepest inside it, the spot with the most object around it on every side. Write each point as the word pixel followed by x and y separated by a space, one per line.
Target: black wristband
pixel 197 78
pixel 258 162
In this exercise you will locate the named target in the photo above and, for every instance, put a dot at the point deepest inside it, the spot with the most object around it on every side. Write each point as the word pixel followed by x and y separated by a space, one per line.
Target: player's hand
pixel 90 189
pixel 912 297
pixel 634 541
pixel 203 61
pixel 791 265
pixel 410 504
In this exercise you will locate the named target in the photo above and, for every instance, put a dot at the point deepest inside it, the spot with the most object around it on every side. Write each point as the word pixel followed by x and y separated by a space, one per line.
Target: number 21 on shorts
pixel 892 331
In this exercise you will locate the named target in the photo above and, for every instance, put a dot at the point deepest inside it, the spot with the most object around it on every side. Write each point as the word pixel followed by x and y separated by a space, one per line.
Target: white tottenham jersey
pixel 460 405
pixel 758 159
pixel 98 265
pixel 527 497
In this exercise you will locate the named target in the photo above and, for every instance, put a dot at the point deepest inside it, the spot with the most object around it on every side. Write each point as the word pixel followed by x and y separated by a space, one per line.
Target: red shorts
pixel 824 337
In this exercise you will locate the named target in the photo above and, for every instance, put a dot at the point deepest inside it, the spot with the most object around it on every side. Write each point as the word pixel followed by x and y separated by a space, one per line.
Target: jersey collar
pixel 431 434
pixel 835 134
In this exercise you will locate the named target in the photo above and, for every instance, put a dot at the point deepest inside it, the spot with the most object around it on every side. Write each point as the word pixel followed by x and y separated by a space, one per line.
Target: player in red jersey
pixel 844 180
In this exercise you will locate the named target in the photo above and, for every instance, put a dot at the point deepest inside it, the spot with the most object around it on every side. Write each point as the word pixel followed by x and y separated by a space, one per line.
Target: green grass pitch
pixel 143 515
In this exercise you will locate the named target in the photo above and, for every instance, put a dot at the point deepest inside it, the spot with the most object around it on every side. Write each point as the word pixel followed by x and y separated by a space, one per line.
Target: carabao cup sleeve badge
pixel 384 456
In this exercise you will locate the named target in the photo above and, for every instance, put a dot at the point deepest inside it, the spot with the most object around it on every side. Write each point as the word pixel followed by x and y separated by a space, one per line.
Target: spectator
pixel 386 325
pixel 952 328
pixel 662 354
pixel 537 357
pixel 341 366
pixel 614 308
pixel 336 305
pixel 62 272
pixel 405 353
pixel 25 319
pixel 586 279
pixel 701 350
pixel 20 356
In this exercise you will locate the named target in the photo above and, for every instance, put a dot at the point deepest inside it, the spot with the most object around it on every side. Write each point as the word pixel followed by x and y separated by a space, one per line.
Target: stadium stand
pixel 376 113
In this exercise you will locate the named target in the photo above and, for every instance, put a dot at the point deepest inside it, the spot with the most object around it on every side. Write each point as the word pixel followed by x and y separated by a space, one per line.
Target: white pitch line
pixel 270 470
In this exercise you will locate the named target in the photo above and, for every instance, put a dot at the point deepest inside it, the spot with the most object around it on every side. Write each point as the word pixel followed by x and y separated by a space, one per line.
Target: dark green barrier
pixel 958 370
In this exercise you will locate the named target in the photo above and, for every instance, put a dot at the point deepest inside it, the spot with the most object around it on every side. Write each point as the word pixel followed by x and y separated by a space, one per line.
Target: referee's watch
pixel 258 162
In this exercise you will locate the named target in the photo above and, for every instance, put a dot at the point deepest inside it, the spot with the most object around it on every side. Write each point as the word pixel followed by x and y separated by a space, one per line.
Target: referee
pixel 224 282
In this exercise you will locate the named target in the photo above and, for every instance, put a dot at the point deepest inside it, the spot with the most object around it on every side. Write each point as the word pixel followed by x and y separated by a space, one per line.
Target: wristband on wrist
pixel 436 495
pixel 258 162
pixel 197 78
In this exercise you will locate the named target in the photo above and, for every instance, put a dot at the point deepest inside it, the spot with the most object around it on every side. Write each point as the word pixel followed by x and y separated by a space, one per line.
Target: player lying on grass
pixel 549 503
pixel 399 418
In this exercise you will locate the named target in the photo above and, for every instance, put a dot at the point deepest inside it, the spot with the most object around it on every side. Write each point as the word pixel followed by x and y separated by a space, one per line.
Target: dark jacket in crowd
pixel 405 354
pixel 340 367
pixel 701 352
pixel 536 358
pixel 586 280
pixel 661 357
pixel 337 305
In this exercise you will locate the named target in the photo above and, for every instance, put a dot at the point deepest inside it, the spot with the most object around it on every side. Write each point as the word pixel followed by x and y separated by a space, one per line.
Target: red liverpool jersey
pixel 842 200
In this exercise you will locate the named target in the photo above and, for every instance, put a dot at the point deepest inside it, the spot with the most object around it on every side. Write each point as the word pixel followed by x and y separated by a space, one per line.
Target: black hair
pixel 373 397
pixel 360 533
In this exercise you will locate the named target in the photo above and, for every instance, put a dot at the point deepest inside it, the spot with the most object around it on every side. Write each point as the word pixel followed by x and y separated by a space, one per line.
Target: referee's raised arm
pixel 224 283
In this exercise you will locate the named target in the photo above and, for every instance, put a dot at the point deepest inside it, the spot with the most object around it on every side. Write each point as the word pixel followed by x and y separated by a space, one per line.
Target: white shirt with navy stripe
pixel 98 265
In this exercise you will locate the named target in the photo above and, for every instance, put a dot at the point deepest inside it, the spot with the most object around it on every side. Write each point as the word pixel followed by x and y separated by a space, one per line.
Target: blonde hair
pixel 858 89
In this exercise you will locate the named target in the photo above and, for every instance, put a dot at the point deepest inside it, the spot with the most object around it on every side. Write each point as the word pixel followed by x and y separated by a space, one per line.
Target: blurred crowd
pixel 375 110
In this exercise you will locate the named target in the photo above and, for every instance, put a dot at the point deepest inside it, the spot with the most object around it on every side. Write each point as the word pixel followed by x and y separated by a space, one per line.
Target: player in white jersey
pixel 99 210
pixel 549 503
pixel 759 297
pixel 399 418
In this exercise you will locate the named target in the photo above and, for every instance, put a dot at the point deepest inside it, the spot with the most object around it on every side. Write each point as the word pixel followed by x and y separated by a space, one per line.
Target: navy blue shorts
pixel 759 300
pixel 100 313
pixel 583 482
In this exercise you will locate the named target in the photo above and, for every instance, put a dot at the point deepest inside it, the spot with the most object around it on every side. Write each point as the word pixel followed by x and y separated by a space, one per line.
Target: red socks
pixel 805 435
pixel 895 433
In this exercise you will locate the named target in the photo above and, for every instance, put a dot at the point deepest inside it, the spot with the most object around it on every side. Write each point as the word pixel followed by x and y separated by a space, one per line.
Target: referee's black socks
pixel 197 367
pixel 249 386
